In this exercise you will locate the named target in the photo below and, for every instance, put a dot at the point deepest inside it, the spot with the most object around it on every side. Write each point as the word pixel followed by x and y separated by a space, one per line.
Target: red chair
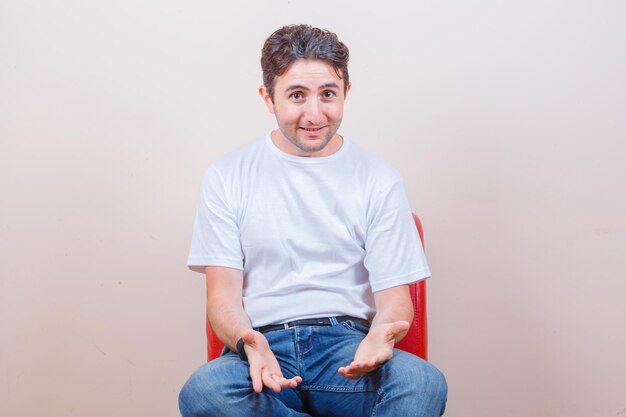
pixel 416 341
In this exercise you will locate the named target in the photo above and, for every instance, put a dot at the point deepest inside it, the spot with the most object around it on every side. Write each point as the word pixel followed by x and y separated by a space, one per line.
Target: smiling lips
pixel 312 130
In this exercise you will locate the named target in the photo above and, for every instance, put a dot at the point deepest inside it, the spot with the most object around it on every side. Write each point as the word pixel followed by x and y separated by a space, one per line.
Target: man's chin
pixel 312 145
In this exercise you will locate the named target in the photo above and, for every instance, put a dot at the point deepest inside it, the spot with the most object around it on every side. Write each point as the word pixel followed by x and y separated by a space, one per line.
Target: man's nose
pixel 314 112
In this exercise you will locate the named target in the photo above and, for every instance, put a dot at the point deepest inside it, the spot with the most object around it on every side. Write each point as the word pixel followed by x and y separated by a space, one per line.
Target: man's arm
pixel 230 323
pixel 394 312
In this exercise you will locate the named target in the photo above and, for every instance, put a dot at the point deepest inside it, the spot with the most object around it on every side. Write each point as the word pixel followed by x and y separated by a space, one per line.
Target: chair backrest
pixel 416 340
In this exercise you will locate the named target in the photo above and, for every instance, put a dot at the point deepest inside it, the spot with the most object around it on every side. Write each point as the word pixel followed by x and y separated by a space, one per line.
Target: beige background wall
pixel 506 118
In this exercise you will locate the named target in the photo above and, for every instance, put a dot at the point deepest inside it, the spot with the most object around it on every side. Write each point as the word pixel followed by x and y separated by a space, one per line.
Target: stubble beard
pixel 308 146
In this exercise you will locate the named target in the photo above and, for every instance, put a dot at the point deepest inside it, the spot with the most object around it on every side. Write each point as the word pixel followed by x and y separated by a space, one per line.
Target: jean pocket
pixel 355 326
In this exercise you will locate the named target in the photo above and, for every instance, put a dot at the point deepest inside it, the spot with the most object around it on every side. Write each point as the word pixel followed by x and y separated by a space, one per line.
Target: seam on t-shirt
pixel 403 279
pixel 212 261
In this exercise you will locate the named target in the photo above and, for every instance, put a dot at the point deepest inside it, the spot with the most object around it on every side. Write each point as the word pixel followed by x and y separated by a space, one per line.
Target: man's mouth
pixel 313 129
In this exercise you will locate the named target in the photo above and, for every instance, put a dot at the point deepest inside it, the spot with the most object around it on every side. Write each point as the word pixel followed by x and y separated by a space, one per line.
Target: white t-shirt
pixel 315 237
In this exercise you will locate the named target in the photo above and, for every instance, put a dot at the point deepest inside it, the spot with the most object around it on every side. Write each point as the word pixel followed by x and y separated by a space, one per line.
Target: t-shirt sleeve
pixel 216 239
pixel 394 254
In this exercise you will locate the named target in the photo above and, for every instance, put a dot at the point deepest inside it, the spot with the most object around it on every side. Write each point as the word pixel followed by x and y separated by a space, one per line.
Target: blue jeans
pixel 405 386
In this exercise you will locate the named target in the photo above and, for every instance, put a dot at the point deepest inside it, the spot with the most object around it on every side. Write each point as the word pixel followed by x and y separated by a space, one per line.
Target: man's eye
pixel 296 95
pixel 328 94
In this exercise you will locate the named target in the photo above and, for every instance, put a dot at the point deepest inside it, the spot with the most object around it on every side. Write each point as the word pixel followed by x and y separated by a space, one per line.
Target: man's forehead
pixel 310 74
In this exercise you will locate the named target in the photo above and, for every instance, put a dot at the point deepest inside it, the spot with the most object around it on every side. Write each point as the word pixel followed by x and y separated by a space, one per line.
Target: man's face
pixel 308 105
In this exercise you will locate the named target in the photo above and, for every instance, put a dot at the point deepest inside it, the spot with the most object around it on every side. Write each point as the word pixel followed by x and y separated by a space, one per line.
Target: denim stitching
pixel 381 397
pixel 335 388
pixel 298 358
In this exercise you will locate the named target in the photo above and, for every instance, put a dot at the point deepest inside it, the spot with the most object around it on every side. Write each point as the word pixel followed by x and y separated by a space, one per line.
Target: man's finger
pixel 293 382
pixel 257 382
pixel 284 382
pixel 351 374
pixel 269 381
pixel 350 371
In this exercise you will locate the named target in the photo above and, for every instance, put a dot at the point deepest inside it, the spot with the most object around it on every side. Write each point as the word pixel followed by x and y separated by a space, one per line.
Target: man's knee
pixel 206 393
pixel 418 384
pixel 195 396
pixel 434 387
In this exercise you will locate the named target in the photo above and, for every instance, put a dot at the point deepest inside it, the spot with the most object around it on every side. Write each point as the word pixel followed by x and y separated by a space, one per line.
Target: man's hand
pixel 375 349
pixel 264 368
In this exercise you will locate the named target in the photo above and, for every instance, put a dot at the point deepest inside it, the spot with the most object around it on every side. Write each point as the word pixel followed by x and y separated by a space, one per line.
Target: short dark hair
pixel 293 42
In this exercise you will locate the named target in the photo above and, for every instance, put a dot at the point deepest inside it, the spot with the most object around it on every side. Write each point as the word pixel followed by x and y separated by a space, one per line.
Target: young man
pixel 308 247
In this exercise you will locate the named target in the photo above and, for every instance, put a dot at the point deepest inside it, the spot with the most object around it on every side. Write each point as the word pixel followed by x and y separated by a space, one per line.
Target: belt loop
pixel 333 321
pixel 286 325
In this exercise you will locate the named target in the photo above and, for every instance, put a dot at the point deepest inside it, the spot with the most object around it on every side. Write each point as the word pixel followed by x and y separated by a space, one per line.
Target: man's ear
pixel 348 87
pixel 267 99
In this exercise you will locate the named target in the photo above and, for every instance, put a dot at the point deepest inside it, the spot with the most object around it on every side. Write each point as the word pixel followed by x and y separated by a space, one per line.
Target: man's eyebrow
pixel 329 85
pixel 305 88
pixel 296 87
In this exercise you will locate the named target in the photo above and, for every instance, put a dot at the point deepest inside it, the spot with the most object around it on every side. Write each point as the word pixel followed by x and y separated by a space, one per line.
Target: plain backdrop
pixel 506 118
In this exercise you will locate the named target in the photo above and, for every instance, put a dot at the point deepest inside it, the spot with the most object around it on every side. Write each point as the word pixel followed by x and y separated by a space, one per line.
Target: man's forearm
pixel 392 305
pixel 224 304
pixel 228 324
